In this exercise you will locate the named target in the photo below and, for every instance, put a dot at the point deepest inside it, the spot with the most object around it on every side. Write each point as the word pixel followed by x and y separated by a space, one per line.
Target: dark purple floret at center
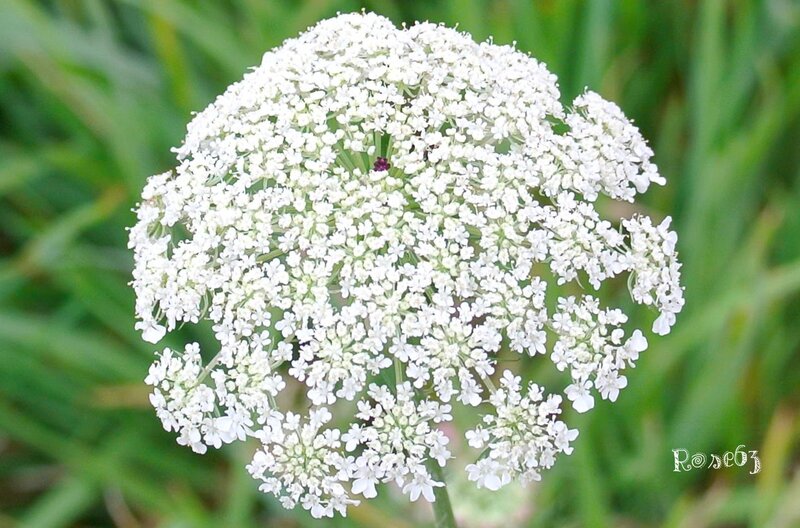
pixel 381 164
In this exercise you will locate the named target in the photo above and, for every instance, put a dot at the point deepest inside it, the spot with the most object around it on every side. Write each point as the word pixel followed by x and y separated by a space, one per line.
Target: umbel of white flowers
pixel 374 204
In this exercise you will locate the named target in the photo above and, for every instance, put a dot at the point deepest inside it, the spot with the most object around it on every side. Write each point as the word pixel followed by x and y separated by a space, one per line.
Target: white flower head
pixel 373 203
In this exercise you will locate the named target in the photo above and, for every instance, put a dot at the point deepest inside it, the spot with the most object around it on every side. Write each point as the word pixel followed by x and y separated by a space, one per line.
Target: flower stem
pixel 442 509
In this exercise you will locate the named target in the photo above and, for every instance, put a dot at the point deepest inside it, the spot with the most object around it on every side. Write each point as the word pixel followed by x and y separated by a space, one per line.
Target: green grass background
pixel 93 93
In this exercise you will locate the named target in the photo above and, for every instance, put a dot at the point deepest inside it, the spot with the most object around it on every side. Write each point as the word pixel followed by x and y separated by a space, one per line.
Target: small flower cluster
pixel 607 153
pixel 522 438
pixel 302 464
pixel 376 203
pixel 400 437
pixel 590 343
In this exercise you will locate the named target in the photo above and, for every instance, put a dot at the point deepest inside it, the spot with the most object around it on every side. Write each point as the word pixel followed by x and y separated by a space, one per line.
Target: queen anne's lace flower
pixel 374 204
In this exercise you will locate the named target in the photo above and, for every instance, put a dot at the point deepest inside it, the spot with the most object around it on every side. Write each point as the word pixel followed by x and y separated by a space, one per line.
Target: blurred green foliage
pixel 93 93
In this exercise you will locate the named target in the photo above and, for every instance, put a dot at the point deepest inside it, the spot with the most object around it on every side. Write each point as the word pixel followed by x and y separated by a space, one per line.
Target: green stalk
pixel 442 509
